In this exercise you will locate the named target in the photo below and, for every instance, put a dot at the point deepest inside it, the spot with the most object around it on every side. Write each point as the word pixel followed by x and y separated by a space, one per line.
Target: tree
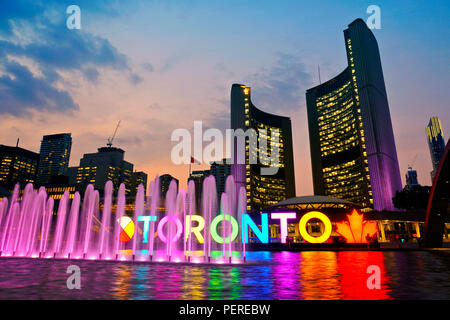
pixel 412 197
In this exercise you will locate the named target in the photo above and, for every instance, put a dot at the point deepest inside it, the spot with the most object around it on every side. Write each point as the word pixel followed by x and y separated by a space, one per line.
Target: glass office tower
pixel 353 153
pixel 54 156
pixel 262 190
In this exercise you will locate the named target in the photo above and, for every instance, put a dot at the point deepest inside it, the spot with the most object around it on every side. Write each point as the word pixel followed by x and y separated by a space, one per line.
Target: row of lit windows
pixel 342 180
pixel 60 189
pixel 337 129
pixel 59 196
pixel 331 109
pixel 337 121
pixel 363 145
pixel 333 93
pixel 340 128
pixel 331 117
pixel 263 191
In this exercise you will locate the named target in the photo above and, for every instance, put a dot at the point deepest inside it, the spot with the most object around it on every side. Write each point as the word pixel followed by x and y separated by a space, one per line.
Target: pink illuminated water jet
pixel 30 228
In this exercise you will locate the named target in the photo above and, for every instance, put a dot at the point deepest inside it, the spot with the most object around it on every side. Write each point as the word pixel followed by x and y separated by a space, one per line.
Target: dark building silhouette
pixel 54 156
pixel 436 142
pixel 263 190
pixel 164 183
pixel 17 165
pixel 4 193
pixel 353 153
pixel 220 171
pixel 137 178
pixel 198 177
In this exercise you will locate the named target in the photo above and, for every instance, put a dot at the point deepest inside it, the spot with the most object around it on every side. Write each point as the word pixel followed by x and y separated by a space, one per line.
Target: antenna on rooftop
pixel 410 166
pixel 318 68
pixel 111 139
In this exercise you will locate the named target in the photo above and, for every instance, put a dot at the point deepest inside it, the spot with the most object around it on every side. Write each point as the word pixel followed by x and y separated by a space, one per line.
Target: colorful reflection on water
pixel 311 268
pixel 279 275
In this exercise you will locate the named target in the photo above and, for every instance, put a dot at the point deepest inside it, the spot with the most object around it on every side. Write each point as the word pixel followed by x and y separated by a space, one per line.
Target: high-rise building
pixel 411 177
pixel 262 189
pixel 137 178
pixel 54 156
pixel 436 142
pixel 164 183
pixel 353 153
pixel 17 165
pixel 198 177
pixel 220 170
pixel 106 164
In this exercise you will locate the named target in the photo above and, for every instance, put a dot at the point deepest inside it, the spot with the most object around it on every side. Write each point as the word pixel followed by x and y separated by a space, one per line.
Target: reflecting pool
pixel 267 275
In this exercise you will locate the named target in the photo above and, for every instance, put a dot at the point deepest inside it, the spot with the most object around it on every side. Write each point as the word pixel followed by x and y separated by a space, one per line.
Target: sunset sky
pixel 160 65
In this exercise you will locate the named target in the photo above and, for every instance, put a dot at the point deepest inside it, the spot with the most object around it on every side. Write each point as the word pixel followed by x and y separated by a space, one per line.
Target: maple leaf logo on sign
pixel 356 230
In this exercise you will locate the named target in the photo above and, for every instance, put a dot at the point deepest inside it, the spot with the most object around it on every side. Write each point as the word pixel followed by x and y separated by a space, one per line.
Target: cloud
pixel 277 89
pixel 283 86
pixel 72 49
pixel 36 31
pixel 91 74
pixel 35 11
pixel 222 68
pixel 173 60
pixel 14 10
pixel 135 79
pixel 21 91
pixel 219 120
pixel 148 67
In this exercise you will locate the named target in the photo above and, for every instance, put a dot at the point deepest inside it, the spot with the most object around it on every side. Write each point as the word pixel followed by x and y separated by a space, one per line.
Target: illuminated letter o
pixel 317 215
pixel 161 224
pixel 234 228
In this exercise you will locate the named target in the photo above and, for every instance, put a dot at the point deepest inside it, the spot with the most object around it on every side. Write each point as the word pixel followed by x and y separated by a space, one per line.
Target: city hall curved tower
pixel 353 153
pixel 263 190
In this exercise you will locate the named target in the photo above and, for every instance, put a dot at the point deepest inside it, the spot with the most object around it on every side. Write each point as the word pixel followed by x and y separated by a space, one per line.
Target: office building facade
pixel 54 156
pixel 262 190
pixel 353 153
pixel 106 164
pixel 17 165
pixel 138 178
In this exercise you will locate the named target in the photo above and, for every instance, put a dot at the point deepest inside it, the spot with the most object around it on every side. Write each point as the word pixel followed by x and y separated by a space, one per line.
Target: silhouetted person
pixel 368 239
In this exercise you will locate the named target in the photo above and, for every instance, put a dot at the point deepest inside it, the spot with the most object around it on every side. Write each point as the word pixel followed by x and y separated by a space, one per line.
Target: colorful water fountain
pixel 158 229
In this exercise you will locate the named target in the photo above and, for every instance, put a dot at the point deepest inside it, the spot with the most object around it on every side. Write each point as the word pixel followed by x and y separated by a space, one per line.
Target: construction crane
pixel 410 166
pixel 111 139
